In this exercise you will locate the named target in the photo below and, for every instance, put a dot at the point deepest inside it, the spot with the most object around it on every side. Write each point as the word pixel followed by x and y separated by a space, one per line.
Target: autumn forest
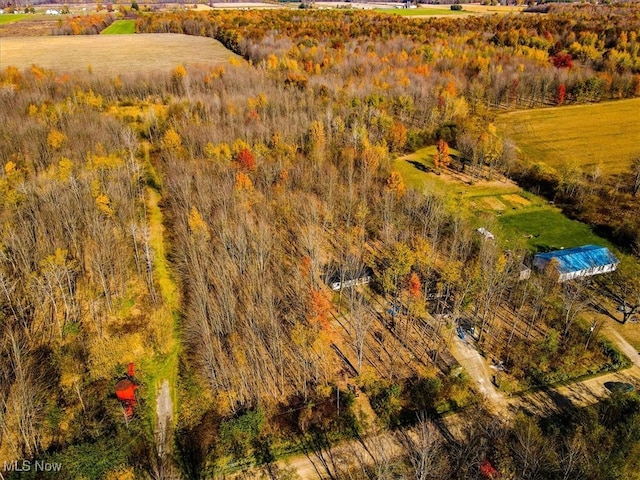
pixel 192 222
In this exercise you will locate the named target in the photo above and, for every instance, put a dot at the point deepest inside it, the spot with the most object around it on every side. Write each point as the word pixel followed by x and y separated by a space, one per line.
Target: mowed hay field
pixel 604 134
pixel 113 54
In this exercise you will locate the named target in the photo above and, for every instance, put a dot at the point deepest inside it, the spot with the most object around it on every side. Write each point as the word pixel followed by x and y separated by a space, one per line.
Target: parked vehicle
pixel 624 387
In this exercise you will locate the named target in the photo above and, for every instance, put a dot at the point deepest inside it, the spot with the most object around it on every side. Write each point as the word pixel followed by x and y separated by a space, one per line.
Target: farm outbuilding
pixel 578 262
pixel 341 279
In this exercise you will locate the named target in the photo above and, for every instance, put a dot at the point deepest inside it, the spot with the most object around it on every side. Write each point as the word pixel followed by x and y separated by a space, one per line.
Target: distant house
pixel 341 280
pixel 486 233
pixel 578 262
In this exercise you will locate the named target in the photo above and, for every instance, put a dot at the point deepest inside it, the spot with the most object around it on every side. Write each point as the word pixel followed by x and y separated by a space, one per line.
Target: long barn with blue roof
pixel 577 262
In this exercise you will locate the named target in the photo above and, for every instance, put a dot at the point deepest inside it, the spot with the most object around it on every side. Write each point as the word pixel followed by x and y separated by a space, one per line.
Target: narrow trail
pixel 162 369
pixel 164 413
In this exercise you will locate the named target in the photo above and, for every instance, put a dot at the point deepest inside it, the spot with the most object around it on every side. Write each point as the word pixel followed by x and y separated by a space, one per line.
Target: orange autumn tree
pixel 243 182
pixel 246 160
pixel 319 307
pixel 395 183
pixel 442 158
pixel 414 287
pixel 397 137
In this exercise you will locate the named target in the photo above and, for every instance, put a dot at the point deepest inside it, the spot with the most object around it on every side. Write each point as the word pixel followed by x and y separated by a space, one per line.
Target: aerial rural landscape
pixel 320 240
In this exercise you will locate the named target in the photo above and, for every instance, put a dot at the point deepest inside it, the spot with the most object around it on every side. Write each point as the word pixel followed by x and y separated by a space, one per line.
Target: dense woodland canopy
pixel 443 78
pixel 269 172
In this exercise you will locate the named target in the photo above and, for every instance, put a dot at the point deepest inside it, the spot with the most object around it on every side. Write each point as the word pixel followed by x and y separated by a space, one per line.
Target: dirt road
pixel 480 374
pixel 587 392
pixel 371 450
pixel 540 403
pixel 546 401
pixel 623 345
pixel 164 412
pixel 580 394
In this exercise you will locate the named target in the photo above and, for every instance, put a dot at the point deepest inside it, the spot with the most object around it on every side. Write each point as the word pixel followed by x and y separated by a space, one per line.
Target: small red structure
pixel 488 471
pixel 126 392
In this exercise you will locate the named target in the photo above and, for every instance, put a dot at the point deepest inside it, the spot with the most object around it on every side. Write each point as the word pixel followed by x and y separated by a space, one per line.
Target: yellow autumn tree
pixel 172 142
pixel 12 76
pixel 10 169
pixel 218 152
pixel 272 62
pixel 395 183
pixel 179 72
pixel 372 156
pixel 9 191
pixel 397 137
pixel 56 138
pixel 197 225
pixel 65 166
pixel 317 141
pixel 103 204
pixel 237 146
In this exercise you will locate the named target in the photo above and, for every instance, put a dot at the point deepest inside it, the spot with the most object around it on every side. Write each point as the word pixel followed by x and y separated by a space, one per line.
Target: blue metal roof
pixel 580 258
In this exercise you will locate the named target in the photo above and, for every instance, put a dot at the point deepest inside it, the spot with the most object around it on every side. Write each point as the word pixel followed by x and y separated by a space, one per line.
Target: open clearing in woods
pixel 113 54
pixel 516 215
pixel 120 27
pixel 547 228
pixel 605 134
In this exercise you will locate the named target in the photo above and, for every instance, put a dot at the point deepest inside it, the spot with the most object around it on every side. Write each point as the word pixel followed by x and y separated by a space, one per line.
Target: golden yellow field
pixel 605 134
pixel 491 9
pixel 112 54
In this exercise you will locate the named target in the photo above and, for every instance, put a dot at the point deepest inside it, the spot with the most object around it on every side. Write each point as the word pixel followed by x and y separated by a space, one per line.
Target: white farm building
pixel 578 262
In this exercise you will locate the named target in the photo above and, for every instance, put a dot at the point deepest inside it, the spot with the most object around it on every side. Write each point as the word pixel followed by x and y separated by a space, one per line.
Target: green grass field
pixel 419 12
pixel 547 228
pixel 518 217
pixel 120 27
pixel 418 171
pixel 605 134
pixel 13 17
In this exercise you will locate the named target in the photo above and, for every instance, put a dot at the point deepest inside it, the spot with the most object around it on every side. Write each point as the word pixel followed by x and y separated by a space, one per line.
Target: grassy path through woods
pixel 162 369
